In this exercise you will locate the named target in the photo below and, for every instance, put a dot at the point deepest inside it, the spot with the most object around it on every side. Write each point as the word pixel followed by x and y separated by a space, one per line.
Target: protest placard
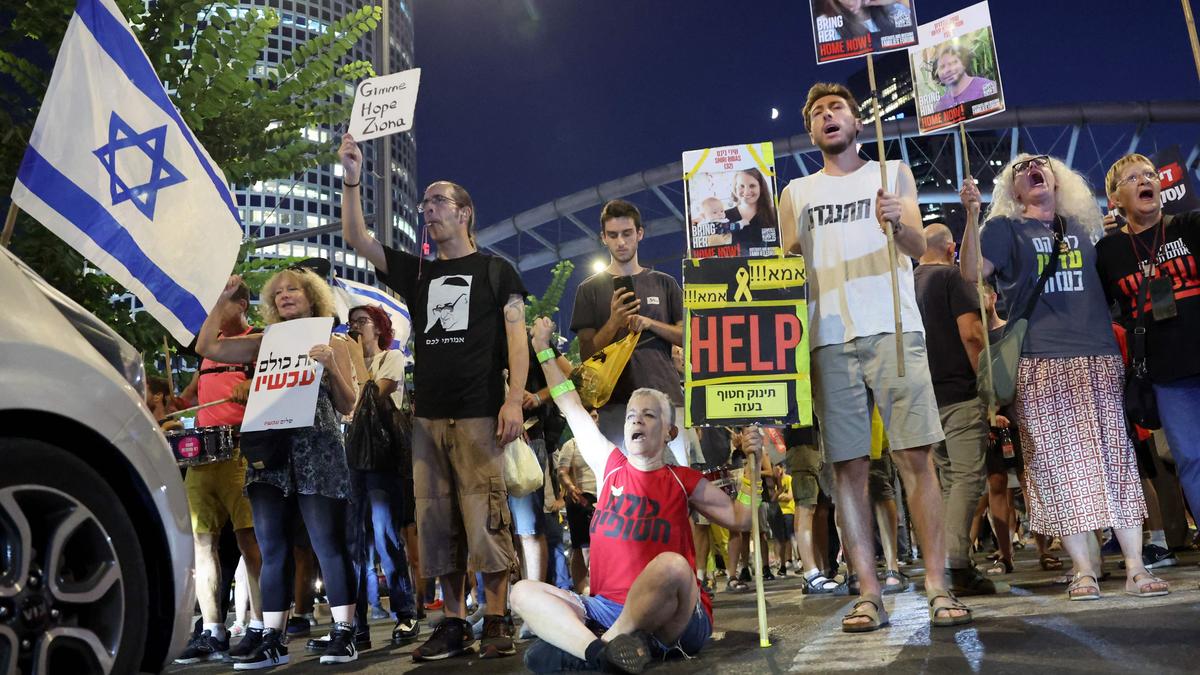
pixel 746 342
pixel 384 105
pixel 841 33
pixel 955 73
pixel 1178 195
pixel 729 197
pixel 283 394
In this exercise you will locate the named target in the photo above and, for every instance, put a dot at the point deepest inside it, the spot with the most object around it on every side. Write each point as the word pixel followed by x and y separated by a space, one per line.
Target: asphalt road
pixel 1031 628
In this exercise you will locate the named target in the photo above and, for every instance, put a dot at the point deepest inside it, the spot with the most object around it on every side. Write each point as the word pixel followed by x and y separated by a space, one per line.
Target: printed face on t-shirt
pixel 449 303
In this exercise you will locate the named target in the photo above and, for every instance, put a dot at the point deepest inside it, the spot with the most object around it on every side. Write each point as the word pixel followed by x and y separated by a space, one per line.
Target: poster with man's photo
pixel 955 73
pixel 729 197
pixel 847 29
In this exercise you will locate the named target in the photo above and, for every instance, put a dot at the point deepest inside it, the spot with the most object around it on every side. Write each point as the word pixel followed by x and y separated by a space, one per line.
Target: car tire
pixel 73 587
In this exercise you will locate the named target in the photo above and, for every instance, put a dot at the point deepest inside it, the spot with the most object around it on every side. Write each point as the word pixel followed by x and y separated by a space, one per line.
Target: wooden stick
pixel 181 413
pixel 1191 26
pixel 167 366
pixel 10 222
pixel 754 464
pixel 891 238
pixel 973 228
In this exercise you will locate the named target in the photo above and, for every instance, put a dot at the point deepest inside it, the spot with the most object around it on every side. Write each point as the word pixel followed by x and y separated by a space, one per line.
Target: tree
pixel 547 305
pixel 251 120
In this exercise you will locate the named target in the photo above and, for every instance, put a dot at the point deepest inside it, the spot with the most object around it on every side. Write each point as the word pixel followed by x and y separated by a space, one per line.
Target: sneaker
pixel 452 636
pixel 246 645
pixel 970 581
pixel 744 577
pixel 299 626
pixel 378 612
pixel 269 653
pixel 767 575
pixel 204 647
pixel 1155 557
pixel 238 629
pixel 406 630
pixel 543 657
pixel 435 605
pixel 782 571
pixel 341 647
pixel 362 642
pixel 628 653
pixel 497 637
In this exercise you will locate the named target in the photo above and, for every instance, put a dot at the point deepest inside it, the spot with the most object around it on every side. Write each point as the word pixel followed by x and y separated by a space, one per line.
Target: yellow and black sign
pixel 746 342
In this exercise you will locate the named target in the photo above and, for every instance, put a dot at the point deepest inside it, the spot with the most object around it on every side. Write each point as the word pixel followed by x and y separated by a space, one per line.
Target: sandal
pixel 736 586
pixel 999 567
pixel 1143 587
pixel 1083 590
pixel 1050 563
pixel 900 586
pixel 945 620
pixel 819 584
pixel 871 607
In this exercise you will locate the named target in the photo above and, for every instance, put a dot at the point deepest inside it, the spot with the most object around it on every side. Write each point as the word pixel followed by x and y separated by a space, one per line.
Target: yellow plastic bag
pixel 596 377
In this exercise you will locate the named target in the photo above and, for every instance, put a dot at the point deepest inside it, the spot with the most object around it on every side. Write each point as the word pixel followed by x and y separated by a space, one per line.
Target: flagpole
pixel 167 366
pixel 891 238
pixel 754 465
pixel 10 222
pixel 973 228
pixel 1191 27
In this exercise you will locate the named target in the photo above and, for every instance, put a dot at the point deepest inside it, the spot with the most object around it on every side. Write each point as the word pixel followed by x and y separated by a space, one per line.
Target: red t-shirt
pixel 639 514
pixel 214 386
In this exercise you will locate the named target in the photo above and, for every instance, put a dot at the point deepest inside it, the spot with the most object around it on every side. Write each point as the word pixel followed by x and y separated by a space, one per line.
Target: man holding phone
pixel 627 297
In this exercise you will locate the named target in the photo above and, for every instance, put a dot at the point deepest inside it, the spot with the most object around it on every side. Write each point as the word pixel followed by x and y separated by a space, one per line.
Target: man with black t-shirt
pixel 954 338
pixel 469 326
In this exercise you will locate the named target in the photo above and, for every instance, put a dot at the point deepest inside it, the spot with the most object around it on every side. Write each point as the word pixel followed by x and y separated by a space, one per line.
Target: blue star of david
pixel 152 143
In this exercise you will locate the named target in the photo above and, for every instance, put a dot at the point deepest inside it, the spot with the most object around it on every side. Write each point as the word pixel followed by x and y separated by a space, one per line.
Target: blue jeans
pixel 383 494
pixel 1179 410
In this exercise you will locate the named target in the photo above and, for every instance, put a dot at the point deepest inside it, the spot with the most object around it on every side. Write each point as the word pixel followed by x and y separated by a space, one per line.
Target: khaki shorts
pixel 804 463
pixel 215 494
pixel 463 519
pixel 848 378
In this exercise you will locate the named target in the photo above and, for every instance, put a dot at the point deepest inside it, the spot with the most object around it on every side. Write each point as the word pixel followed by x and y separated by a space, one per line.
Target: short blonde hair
pixel 664 402
pixel 1114 172
pixel 315 289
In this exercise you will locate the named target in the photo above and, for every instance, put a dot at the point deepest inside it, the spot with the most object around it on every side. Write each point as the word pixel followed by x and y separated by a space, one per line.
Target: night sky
pixel 523 101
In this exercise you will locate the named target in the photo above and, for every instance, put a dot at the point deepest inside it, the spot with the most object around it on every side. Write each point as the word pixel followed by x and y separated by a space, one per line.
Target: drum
pixel 202 445
pixel 722 477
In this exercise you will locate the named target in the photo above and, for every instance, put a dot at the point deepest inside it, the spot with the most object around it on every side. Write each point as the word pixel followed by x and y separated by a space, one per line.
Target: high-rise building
pixel 313 199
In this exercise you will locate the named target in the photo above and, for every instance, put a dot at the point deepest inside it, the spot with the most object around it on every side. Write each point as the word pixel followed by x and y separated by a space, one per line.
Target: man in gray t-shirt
pixel 603 315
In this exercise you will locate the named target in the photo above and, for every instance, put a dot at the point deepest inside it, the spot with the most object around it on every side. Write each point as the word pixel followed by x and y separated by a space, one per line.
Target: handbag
pixel 596 377
pixel 1141 406
pixel 1006 352
pixel 266 449
pixel 522 471
pixel 372 436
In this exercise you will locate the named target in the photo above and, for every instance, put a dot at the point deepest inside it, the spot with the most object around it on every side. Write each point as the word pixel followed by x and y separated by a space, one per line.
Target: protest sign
pixel 839 33
pixel 729 197
pixel 384 105
pixel 746 342
pixel 283 394
pixel 1178 195
pixel 955 73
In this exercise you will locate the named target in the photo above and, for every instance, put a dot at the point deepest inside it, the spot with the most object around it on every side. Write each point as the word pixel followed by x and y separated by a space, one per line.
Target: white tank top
pixel 845 253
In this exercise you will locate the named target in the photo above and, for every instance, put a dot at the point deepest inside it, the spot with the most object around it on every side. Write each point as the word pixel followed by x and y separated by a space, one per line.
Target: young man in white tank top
pixel 835 219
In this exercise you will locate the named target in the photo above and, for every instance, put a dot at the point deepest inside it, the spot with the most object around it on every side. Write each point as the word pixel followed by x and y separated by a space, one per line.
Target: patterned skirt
pixel 1081 471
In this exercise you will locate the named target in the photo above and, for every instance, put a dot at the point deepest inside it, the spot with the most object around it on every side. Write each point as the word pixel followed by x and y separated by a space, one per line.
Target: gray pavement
pixel 1033 627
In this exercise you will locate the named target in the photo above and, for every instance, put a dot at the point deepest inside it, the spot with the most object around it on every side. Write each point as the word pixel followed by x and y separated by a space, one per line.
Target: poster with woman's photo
pixel 846 29
pixel 955 74
pixel 729 196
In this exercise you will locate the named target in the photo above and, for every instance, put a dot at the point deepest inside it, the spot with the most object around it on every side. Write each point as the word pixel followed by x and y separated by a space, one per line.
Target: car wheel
pixel 73 588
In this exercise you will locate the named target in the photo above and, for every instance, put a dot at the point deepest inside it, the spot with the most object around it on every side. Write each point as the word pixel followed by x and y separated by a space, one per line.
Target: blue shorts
pixel 528 519
pixel 699 629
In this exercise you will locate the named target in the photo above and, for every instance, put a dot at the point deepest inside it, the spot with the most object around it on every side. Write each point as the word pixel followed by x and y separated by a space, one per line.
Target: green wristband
pixel 561 388
pixel 744 498
pixel 545 355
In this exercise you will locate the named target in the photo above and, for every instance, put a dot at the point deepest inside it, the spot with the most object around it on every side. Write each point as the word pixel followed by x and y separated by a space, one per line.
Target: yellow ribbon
pixel 743 286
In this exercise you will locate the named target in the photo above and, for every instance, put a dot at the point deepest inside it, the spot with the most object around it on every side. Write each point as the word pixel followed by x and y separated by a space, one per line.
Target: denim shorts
pixel 528 519
pixel 697 633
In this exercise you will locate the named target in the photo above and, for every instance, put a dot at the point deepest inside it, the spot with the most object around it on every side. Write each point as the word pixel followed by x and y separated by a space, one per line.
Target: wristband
pixel 561 388
pixel 346 185
pixel 545 355
pixel 744 498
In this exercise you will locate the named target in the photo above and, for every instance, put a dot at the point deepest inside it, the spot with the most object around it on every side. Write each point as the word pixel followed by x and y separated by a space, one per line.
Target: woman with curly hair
pixel 313 476
pixel 1081 471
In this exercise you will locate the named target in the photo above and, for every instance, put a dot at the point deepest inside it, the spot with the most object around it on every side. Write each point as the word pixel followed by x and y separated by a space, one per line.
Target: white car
pixel 96 548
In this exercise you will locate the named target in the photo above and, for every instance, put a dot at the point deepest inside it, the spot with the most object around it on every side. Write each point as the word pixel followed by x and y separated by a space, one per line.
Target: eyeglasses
pixel 1149 175
pixel 360 321
pixel 1024 165
pixel 440 200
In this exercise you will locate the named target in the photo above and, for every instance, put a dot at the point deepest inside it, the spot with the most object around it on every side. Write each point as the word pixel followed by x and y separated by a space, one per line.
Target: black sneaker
pixel 744 577
pixel 543 657
pixel 1155 557
pixel 627 653
pixel 341 647
pixel 782 571
pixel 406 630
pixel 497 637
pixel 269 653
pixel 970 581
pixel 204 647
pixel 246 645
pixel 767 576
pixel 298 626
pixel 452 636
pixel 362 642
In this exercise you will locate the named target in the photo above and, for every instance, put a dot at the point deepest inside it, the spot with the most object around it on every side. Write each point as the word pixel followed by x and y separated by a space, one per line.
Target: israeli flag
pixel 113 170
pixel 351 294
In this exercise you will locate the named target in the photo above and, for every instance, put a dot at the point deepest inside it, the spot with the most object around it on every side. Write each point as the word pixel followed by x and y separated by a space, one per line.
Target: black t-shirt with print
pixel 1171 344
pixel 461 348
pixel 943 296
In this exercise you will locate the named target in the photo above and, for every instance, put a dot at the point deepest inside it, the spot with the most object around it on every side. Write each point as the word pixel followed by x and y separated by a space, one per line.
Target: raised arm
pixel 509 421
pixel 354 226
pixel 969 194
pixel 590 443
pixel 236 349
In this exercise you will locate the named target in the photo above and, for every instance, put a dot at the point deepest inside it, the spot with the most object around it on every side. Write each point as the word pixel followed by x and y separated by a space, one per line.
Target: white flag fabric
pixel 351 294
pixel 113 170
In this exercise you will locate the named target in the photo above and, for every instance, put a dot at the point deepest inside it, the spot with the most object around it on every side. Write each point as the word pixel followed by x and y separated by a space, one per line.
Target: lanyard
pixel 1151 259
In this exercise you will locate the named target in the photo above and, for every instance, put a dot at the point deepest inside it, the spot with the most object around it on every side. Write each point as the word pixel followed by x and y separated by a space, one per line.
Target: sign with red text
pixel 729 196
pixel 384 105
pixel 843 33
pixel 746 342
pixel 955 73
pixel 283 393
pixel 1178 195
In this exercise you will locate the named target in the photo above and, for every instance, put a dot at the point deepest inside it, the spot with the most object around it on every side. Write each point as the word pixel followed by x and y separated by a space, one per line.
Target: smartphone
pixel 623 284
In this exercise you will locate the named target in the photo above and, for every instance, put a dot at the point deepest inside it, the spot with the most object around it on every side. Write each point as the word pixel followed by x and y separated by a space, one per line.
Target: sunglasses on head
pixel 1025 164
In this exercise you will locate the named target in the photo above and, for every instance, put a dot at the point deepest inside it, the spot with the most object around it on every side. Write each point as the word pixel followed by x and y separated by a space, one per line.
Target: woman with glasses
pixel 1148 264
pixel 1081 471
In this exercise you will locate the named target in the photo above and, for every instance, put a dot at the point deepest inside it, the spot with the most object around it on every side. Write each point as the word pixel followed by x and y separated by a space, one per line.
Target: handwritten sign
pixel 283 393
pixel 729 197
pixel 840 33
pixel 955 73
pixel 746 342
pixel 384 105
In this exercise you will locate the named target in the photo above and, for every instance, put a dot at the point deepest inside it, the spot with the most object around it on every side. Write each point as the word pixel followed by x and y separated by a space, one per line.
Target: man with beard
pixel 835 219
pixel 469 326
pixel 605 313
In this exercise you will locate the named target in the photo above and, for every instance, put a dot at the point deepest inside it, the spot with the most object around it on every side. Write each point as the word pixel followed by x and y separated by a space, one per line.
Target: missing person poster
pixel 846 29
pixel 283 393
pixel 729 197
pixel 746 342
pixel 1178 195
pixel 955 73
